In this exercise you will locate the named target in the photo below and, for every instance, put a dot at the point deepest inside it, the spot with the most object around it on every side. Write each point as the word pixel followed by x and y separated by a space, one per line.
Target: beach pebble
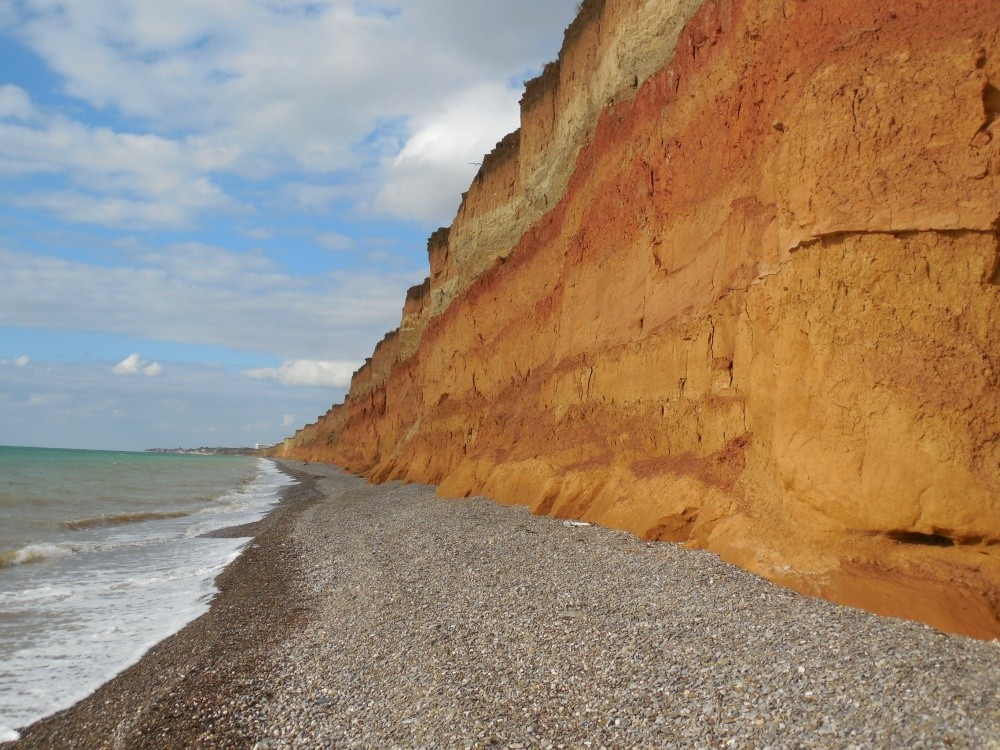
pixel 385 617
pixel 470 624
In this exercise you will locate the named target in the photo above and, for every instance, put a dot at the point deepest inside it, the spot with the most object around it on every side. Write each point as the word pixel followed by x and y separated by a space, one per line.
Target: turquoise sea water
pixel 101 557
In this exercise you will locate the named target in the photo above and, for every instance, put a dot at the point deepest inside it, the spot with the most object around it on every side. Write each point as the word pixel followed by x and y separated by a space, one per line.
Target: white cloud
pixel 133 364
pixel 200 294
pixel 109 212
pixel 288 420
pixel 207 265
pixel 305 89
pixel 75 404
pixel 303 372
pixel 21 361
pixel 426 179
pixel 15 104
pixel 312 198
pixel 128 366
pixel 112 179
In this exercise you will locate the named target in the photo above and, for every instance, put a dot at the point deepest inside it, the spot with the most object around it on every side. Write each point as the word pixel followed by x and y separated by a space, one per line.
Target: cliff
pixel 734 282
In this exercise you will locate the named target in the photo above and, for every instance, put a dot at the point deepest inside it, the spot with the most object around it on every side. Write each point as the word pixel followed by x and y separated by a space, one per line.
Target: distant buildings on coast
pixel 257 449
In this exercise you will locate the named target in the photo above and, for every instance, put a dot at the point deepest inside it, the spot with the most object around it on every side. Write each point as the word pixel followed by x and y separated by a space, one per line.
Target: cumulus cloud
pixel 306 89
pixel 304 372
pixel 21 361
pixel 427 177
pixel 307 69
pixel 128 366
pixel 133 364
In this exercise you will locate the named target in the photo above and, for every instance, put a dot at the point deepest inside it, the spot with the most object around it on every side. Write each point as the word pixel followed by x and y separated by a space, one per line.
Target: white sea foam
pixel 32 553
pixel 7 734
pixel 244 505
pixel 75 621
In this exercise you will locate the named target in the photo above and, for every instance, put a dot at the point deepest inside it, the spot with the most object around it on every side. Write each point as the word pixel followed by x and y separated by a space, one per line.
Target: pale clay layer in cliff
pixel 735 286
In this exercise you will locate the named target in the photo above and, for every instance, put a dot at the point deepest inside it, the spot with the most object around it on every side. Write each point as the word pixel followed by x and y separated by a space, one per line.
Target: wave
pixel 118 519
pixel 8 735
pixel 33 553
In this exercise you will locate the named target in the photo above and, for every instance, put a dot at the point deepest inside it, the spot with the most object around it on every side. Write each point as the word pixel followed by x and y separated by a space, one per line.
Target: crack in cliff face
pixel 991 104
pixel 991 94
pixel 916 537
pixel 994 275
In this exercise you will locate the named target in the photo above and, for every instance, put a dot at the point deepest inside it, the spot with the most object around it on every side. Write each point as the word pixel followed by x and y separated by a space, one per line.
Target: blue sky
pixel 210 210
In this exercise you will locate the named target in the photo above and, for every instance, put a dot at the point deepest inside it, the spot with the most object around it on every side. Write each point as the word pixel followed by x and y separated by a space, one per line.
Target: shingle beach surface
pixel 383 617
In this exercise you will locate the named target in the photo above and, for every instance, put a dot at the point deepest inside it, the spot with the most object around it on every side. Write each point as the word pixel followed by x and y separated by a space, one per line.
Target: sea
pixel 102 555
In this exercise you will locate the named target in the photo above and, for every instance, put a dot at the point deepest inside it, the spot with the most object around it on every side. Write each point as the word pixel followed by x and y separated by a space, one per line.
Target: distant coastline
pixel 258 450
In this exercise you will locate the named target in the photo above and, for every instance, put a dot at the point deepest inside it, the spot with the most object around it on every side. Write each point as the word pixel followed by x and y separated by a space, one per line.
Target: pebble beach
pixel 384 617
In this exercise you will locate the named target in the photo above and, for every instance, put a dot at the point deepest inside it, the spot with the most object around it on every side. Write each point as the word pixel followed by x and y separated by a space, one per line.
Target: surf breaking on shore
pixel 84 603
pixel 32 553
pixel 367 616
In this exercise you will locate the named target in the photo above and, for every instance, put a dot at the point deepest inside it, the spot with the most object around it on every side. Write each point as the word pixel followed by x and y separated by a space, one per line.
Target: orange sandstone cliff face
pixel 734 282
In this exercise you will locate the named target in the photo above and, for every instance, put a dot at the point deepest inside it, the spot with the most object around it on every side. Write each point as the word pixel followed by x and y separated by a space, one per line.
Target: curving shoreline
pixel 382 616
pixel 170 697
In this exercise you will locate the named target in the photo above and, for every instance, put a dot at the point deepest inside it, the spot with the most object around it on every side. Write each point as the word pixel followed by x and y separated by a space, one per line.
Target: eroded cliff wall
pixel 735 283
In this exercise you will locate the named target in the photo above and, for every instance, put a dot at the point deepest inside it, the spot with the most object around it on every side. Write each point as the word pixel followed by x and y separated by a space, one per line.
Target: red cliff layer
pixel 747 299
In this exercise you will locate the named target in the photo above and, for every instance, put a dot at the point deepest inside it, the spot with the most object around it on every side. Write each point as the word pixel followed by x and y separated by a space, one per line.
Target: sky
pixel 210 210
